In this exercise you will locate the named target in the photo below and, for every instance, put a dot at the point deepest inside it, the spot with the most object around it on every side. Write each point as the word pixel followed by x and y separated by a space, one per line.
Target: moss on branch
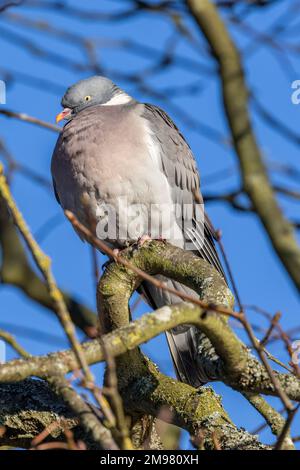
pixel 30 406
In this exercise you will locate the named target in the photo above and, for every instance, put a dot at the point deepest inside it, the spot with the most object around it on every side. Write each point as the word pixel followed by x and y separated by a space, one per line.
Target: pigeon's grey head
pixel 90 92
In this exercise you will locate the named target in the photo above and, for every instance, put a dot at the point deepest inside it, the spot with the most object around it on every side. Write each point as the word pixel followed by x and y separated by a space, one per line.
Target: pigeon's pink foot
pixel 116 254
pixel 143 239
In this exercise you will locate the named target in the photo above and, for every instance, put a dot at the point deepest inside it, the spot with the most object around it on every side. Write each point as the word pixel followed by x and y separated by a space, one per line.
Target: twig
pixel 286 340
pixel 10 4
pixel 277 361
pixel 286 428
pixel 26 118
pixel 273 418
pixel 229 270
pixel 269 331
pixel 10 339
pixel 87 418
pixel 111 390
pixel 281 393
pixel 95 270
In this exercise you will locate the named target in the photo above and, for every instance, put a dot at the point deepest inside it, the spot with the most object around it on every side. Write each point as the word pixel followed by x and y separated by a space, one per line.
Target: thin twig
pixel 269 331
pixel 100 434
pixel 273 418
pixel 111 390
pixel 229 270
pixel 286 428
pixel 281 393
pixel 10 339
pixel 33 120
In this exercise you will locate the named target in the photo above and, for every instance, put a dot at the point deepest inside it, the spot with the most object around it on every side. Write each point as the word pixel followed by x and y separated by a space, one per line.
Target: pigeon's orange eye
pixel 87 98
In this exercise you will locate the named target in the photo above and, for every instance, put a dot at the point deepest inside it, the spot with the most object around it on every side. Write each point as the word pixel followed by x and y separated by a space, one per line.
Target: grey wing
pixel 55 191
pixel 179 165
pixel 58 200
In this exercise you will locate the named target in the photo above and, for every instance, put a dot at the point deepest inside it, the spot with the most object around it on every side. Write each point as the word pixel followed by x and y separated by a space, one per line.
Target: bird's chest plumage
pixel 105 157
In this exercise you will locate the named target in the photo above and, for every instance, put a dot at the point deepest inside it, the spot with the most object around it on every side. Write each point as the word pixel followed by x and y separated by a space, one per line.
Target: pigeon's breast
pixel 104 158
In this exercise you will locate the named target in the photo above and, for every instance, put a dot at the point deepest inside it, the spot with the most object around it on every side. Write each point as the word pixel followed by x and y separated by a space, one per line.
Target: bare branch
pixel 24 117
pixel 89 421
pixel 10 339
pixel 235 96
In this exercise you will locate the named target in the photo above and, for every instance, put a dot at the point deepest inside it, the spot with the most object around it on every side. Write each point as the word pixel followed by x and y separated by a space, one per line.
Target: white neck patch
pixel 120 98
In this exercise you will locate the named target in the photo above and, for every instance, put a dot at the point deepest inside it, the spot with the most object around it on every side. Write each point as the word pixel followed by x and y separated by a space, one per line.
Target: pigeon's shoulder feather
pixel 177 159
pixel 180 168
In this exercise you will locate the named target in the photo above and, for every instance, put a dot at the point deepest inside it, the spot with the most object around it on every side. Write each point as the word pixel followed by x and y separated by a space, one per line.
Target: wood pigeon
pixel 121 161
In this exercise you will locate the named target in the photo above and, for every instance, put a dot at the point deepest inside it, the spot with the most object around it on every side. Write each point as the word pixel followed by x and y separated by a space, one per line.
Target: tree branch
pixel 248 376
pixel 235 97
pixel 38 407
pixel 234 366
pixel 99 434
pixel 30 406
pixel 32 120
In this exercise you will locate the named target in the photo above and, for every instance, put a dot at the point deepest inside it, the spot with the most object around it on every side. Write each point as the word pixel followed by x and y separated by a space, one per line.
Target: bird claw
pixel 146 237
pixel 140 242
pixel 114 258
pixel 143 239
pixel 116 254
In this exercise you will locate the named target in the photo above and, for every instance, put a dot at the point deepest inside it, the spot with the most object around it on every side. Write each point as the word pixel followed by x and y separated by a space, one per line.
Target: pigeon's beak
pixel 65 114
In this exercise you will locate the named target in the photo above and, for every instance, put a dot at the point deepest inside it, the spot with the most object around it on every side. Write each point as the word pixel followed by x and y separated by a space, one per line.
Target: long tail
pixel 184 340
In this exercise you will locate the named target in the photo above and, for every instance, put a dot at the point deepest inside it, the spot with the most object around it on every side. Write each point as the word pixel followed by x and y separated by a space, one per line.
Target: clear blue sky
pixel 260 276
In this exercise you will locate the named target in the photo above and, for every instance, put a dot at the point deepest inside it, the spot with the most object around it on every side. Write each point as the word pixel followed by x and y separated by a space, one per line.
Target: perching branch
pixel 253 378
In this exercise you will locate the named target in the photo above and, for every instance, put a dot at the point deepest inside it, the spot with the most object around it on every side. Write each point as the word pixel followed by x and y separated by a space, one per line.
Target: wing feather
pixel 179 165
